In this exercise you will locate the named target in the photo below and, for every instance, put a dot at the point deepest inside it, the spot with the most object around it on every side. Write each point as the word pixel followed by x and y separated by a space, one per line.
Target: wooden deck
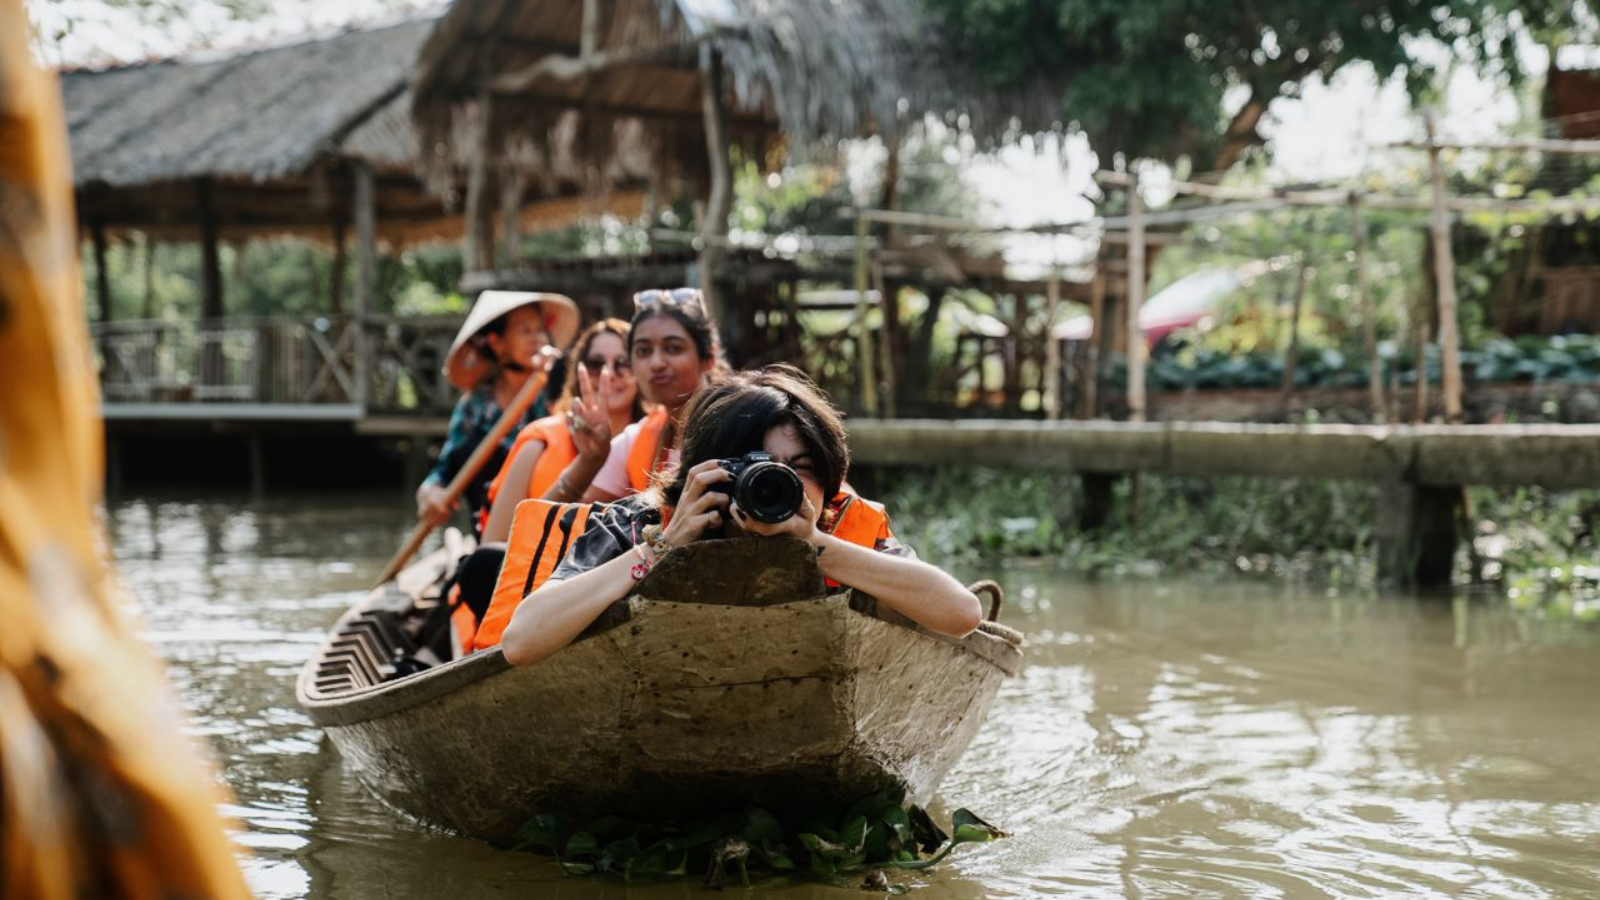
pixel 1551 456
pixel 1423 468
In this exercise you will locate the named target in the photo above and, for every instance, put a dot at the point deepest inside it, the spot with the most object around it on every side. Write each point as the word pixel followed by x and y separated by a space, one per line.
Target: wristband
pixel 642 567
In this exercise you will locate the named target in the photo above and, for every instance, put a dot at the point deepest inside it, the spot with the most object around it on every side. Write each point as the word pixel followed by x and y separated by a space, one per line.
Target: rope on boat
pixel 997 597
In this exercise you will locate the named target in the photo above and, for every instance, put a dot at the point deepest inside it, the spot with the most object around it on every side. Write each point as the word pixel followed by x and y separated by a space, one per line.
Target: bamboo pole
pixel 715 224
pixel 1369 311
pixel 1135 294
pixel 1533 145
pixel 1052 347
pixel 513 414
pixel 1091 362
pixel 1291 356
pixel 1420 414
pixel 1445 275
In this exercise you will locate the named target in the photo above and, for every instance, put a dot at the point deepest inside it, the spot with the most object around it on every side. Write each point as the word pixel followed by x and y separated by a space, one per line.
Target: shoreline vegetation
pixel 1537 547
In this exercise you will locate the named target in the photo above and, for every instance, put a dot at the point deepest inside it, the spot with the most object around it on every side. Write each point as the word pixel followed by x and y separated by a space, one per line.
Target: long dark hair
pixel 732 416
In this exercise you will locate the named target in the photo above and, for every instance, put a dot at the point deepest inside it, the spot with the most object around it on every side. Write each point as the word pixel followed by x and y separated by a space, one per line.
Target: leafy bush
pixel 1527 539
pixel 1528 358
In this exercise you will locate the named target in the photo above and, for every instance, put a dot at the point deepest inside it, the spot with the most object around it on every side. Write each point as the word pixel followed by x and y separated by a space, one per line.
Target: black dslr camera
pixel 767 490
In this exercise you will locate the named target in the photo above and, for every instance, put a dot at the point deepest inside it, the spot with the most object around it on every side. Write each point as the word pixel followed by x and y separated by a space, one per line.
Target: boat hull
pixel 676 707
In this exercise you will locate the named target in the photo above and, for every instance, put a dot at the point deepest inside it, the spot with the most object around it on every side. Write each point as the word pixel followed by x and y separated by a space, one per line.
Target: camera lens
pixel 769 492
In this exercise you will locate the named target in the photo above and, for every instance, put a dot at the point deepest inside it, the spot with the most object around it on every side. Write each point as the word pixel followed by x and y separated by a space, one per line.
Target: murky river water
pixel 1164 740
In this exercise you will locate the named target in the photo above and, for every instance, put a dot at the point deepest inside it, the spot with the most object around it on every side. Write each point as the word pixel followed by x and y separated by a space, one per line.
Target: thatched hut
pixel 501 83
pixel 311 139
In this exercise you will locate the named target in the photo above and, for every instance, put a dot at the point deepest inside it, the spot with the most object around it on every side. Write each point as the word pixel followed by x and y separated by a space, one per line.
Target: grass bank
pixel 1528 540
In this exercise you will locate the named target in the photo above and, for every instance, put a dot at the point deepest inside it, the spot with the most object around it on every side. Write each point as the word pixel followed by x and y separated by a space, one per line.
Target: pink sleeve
pixel 613 476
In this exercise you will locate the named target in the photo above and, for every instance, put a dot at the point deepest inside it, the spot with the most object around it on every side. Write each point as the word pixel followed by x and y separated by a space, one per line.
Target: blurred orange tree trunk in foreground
pixel 100 794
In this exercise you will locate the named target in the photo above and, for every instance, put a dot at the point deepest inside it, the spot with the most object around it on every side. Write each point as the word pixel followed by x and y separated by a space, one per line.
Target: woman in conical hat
pixel 492 357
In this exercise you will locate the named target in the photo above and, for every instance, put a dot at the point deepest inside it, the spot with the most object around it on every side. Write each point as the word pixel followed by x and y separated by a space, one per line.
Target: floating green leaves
pixel 876 833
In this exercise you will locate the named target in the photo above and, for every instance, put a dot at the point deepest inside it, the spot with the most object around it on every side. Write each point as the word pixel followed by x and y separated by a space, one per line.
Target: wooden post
pixel 1416 532
pixel 869 381
pixel 1291 356
pixel 1052 348
pixel 1369 311
pixel 512 187
pixel 1423 338
pixel 889 298
pixel 366 216
pixel 1099 494
pixel 149 308
pixel 1090 402
pixel 1444 271
pixel 210 260
pixel 589 37
pixel 477 241
pixel 889 309
pixel 714 227
pixel 102 277
pixel 336 278
pixel 1135 294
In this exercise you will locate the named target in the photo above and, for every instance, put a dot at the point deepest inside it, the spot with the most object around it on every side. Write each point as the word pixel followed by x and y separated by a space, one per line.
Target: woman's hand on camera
pixel 802 525
pixel 699 509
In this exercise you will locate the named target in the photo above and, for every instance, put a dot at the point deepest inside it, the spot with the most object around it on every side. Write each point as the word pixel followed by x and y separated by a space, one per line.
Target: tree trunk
pixel 1445 283
pixel 919 354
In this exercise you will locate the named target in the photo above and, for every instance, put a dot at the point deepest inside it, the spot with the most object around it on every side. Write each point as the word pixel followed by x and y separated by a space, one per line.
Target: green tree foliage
pixel 1159 78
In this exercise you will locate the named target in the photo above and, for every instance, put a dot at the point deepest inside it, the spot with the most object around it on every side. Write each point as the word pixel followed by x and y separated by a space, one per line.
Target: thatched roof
pixel 810 70
pixel 272 132
pixel 253 116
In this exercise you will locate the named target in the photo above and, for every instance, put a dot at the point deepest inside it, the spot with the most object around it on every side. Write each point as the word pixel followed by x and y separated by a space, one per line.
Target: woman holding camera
pixel 776 410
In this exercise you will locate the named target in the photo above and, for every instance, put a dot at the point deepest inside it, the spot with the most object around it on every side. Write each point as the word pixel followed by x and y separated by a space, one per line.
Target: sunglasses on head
pixel 677 297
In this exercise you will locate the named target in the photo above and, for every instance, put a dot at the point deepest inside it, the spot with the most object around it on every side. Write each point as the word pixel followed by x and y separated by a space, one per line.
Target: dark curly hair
pixel 732 416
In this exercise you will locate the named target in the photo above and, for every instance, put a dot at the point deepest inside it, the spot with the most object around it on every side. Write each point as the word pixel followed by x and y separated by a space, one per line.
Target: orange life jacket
pixel 559 451
pixel 541 534
pixel 642 459
pixel 860 521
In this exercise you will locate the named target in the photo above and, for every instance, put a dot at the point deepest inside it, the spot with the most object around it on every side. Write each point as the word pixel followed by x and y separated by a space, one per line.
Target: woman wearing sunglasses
pixel 674 350
pixel 776 410
pixel 601 399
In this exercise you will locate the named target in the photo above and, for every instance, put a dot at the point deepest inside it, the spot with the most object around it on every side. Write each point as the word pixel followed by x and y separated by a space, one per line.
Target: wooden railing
pixel 279 361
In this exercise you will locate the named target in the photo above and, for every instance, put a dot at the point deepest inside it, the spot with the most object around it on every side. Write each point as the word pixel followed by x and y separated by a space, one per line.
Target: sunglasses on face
pixel 595 365
pixel 676 297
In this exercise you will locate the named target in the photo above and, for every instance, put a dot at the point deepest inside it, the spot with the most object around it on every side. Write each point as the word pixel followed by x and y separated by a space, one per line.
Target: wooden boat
pixel 729 677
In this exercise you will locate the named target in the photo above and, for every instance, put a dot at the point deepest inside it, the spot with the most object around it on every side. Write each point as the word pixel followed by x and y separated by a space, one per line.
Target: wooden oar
pixel 519 404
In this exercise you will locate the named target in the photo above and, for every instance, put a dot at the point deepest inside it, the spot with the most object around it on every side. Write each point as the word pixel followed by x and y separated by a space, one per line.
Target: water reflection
pixel 1164 740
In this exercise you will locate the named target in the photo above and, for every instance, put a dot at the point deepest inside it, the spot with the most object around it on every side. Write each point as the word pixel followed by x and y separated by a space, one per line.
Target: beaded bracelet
pixel 655 540
pixel 642 567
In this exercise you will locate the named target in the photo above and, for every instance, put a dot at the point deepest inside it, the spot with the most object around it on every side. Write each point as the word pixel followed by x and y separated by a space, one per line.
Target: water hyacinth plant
pixel 876 833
